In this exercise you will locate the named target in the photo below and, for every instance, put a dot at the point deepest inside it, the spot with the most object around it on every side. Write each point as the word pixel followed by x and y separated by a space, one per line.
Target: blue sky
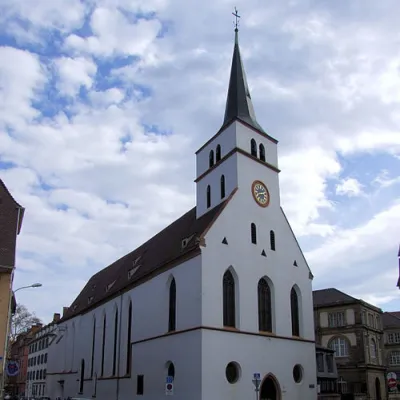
pixel 102 101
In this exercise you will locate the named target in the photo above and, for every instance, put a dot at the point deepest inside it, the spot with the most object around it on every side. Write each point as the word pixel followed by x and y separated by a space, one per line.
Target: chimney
pixel 65 309
pixel 56 317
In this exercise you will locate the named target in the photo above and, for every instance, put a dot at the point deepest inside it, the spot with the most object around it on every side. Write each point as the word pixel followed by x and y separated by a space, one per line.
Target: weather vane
pixel 237 16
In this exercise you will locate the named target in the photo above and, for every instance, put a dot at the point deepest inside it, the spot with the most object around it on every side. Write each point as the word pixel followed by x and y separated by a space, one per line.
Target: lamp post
pixel 12 292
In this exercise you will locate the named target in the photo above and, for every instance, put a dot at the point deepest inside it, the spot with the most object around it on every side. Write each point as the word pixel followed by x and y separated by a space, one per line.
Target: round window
pixel 298 373
pixel 232 372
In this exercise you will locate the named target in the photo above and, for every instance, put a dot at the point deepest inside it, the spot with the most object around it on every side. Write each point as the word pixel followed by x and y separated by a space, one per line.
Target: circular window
pixel 232 372
pixel 298 373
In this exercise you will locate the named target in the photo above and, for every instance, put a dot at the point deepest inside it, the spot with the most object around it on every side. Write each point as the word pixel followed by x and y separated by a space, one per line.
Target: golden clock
pixel 260 193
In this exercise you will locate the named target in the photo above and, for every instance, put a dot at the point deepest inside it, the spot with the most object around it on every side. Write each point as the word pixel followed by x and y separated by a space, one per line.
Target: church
pixel 218 305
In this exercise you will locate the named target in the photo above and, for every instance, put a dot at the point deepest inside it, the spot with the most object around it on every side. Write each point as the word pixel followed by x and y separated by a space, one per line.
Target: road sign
pixel 256 381
pixel 392 382
pixel 257 376
pixel 169 386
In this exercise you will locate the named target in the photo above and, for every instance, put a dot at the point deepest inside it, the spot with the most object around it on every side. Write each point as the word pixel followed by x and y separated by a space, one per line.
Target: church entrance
pixel 269 389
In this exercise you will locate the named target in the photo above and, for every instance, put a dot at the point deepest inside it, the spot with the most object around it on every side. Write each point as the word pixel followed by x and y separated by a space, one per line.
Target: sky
pixel 104 102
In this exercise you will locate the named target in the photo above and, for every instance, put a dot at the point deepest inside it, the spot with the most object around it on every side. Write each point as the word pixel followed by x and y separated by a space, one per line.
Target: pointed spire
pixel 238 102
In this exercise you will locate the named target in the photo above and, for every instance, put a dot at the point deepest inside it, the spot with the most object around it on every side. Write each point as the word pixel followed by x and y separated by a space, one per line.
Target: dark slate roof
pixel 164 249
pixel 330 297
pixel 238 102
pixel 3 185
pixel 391 319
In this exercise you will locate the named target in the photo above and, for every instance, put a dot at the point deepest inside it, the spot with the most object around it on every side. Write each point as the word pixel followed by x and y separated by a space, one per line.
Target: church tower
pixel 239 148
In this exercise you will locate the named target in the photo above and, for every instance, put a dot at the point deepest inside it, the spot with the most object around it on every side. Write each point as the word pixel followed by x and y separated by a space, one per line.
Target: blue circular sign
pixel 12 368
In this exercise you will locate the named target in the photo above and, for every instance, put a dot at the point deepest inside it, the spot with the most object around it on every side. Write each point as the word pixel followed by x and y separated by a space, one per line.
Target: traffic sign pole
pixel 256 382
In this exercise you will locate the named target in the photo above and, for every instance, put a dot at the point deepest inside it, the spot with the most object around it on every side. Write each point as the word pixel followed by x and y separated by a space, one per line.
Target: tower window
pixel 253 146
pixel 172 306
pixel 218 153
pixel 229 307
pixel 253 233
pixel 222 186
pixel 272 239
pixel 211 158
pixel 264 306
pixel 294 308
pixel 262 152
pixel 208 196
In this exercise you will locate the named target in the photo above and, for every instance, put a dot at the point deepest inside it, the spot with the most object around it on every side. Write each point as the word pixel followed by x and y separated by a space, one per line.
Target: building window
pixel 373 348
pixel 298 373
pixel 262 152
pixel 114 368
pixel 208 196
pixel 140 385
pixel 44 374
pixel 264 306
pixel 171 370
pixel 320 362
pixel 82 376
pixel 103 345
pixel 218 153
pixel 253 233
pixel 294 308
pixel 336 319
pixel 229 309
pixel 394 337
pixel 172 306
pixel 45 358
pixel 232 372
pixel 394 358
pixel 211 158
pixel 340 346
pixel 93 346
pixel 128 344
pixel 253 147
pixel 272 240
pixel 329 362
pixel 377 322
pixel 222 186
pixel 371 320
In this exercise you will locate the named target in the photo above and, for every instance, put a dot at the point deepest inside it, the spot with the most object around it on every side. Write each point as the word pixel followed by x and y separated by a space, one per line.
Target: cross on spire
pixel 237 16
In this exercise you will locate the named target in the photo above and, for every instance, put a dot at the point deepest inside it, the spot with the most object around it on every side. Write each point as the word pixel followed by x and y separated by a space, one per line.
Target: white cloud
pixel 350 187
pixel 383 180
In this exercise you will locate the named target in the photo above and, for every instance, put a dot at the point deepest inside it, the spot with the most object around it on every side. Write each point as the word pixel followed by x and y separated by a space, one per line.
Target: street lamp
pixel 3 377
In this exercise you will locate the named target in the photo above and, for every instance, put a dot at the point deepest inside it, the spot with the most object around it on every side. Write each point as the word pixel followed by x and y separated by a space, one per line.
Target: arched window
pixel 294 308
pixel 103 345
pixel 272 239
pixel 218 153
pixel 211 158
pixel 340 345
pixel 262 152
pixel 264 306
pixel 82 376
pixel 172 306
pixel 373 348
pixel 208 196
pixel 229 307
pixel 253 147
pixel 171 370
pixel 128 341
pixel 93 346
pixel 253 233
pixel 222 186
pixel 114 368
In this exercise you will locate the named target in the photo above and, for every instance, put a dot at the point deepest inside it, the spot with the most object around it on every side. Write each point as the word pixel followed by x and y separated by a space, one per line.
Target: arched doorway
pixel 378 389
pixel 269 389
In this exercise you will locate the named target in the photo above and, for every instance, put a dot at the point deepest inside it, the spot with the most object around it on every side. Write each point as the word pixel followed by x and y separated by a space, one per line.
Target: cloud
pixel 350 187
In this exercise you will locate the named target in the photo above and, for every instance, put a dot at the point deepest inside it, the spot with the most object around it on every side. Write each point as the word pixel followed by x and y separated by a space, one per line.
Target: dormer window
pixel 218 153
pixel 109 287
pixel 211 158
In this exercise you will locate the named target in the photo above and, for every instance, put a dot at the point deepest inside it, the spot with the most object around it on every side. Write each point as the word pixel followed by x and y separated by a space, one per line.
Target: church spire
pixel 238 103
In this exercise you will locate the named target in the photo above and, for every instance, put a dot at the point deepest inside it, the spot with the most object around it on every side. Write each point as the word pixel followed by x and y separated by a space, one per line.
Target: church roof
pixel 238 103
pixel 176 243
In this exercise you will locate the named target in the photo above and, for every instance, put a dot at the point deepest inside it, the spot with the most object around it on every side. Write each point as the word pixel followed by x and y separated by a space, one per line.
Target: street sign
pixel 256 381
pixel 257 376
pixel 169 386
pixel 392 382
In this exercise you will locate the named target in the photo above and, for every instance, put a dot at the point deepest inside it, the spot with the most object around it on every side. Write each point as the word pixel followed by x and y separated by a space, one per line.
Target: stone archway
pixel 378 395
pixel 269 389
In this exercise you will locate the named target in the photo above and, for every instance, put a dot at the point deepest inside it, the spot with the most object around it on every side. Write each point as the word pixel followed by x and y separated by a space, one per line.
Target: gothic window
pixel 114 368
pixel 294 308
pixel 171 370
pixel 172 306
pixel 128 339
pixel 82 376
pixel 253 147
pixel 340 345
pixel 229 308
pixel 93 346
pixel 262 152
pixel 272 239
pixel 208 196
pixel 264 306
pixel 222 186
pixel 253 233
pixel 211 158
pixel 218 153
pixel 103 345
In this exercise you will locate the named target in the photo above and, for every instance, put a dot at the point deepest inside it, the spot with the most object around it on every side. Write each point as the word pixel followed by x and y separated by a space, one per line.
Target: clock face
pixel 260 193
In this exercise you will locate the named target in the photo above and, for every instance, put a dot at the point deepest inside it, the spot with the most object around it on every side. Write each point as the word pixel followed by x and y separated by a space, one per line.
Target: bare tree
pixel 22 320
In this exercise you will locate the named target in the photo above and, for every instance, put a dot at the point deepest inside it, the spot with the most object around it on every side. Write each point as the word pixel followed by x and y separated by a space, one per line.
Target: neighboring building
pixel 391 327
pixel 327 375
pixel 353 328
pixel 221 293
pixel 37 359
pixel 11 216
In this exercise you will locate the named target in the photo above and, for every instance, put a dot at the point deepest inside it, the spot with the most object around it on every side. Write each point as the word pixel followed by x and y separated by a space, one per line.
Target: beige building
pixel 11 215
pixel 353 329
